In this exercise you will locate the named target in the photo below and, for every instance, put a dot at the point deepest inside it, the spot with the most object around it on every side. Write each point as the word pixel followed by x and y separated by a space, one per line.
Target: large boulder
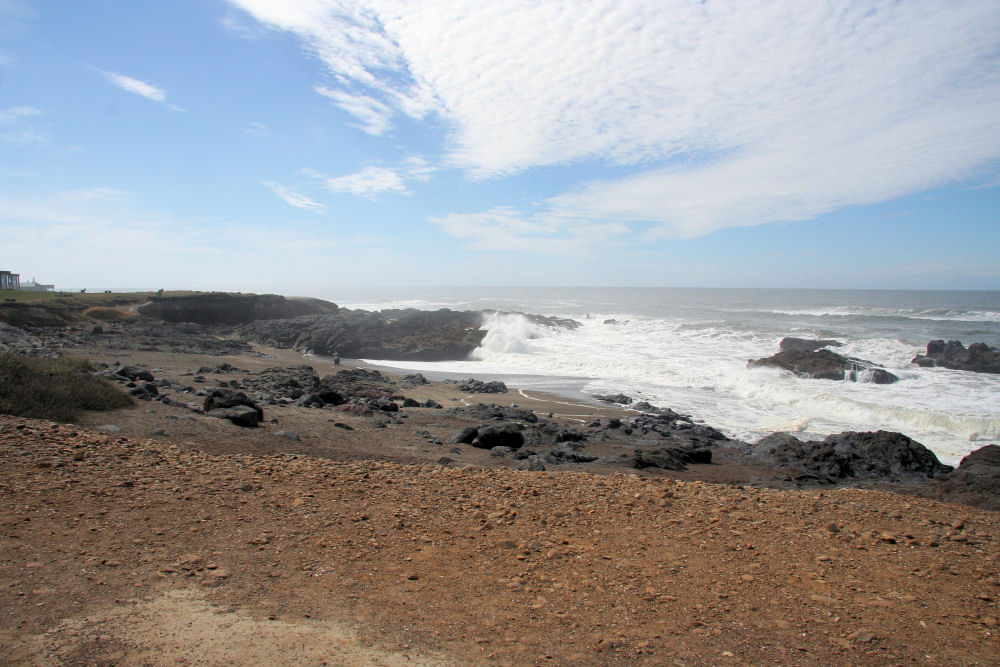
pixel 507 434
pixel 670 458
pixel 864 455
pixel 826 365
pixel 241 415
pixel 222 398
pixel 620 399
pixel 474 386
pixel 465 436
pixel 978 357
pixel 805 344
pixel 133 373
pixel 976 481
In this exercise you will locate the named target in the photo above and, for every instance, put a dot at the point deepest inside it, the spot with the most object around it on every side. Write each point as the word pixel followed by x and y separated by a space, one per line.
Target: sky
pixel 302 145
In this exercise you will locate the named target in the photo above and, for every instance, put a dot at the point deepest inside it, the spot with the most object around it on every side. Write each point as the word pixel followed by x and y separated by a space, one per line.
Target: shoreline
pixel 179 537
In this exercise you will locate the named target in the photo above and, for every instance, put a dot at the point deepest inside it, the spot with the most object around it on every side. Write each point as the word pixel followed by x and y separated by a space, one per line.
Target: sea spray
pixel 688 349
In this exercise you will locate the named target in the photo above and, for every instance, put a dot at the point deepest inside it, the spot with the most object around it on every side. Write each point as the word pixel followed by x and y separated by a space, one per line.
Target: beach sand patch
pixel 180 627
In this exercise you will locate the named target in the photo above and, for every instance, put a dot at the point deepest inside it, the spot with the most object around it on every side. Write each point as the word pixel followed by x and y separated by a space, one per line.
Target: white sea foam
pixel 688 350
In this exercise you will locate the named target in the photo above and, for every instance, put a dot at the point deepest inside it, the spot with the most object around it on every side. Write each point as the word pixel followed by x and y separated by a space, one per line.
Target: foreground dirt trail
pixel 127 551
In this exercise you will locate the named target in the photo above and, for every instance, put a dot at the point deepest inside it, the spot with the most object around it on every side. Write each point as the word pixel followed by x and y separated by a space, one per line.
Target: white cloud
pixel 141 88
pixel 368 182
pixel 13 113
pixel 15 130
pixel 374 115
pixel 5 60
pixel 295 199
pixel 505 228
pixel 257 129
pixel 727 113
pixel 136 86
pixel 372 181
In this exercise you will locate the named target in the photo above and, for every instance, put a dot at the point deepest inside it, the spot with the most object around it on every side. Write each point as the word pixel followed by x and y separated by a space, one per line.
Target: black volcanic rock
pixel 222 398
pixel 976 481
pixel 620 399
pixel 978 357
pixel 401 335
pixel 867 455
pixel 474 386
pixel 507 434
pixel 219 308
pixel 670 458
pixel 804 344
pixel 826 365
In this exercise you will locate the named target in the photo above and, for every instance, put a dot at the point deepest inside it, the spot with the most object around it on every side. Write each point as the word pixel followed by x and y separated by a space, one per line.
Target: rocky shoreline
pixel 439 522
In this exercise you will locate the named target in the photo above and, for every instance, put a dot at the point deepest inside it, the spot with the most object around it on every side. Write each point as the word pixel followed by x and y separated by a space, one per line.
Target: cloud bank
pixel 714 114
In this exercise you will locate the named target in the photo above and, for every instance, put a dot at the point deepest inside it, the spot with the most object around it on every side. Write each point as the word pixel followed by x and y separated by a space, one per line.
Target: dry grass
pixel 106 314
pixel 55 389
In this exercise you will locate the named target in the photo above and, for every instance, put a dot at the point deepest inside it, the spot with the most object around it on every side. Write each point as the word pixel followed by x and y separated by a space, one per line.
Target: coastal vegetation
pixel 56 389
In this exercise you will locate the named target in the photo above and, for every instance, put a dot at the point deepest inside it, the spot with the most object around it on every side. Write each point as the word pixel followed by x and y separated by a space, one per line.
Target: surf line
pixel 532 398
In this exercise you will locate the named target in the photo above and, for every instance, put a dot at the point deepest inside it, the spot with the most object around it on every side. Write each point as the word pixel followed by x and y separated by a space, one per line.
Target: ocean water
pixel 687 349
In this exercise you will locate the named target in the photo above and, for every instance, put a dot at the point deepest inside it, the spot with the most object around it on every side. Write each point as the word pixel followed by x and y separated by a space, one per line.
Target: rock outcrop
pixel 852 454
pixel 978 357
pixel 976 481
pixel 219 308
pixel 826 365
pixel 401 335
pixel 805 344
pixel 474 386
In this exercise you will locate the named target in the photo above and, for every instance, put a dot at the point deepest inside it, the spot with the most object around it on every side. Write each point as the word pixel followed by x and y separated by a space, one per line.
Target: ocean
pixel 687 349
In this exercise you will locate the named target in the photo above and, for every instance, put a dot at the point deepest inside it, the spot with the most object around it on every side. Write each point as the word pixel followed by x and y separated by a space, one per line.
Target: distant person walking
pixel 336 359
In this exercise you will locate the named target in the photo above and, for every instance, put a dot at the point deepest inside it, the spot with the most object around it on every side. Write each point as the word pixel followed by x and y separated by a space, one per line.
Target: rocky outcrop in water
pixel 978 357
pixel 218 308
pixel 401 335
pixel 805 344
pixel 826 365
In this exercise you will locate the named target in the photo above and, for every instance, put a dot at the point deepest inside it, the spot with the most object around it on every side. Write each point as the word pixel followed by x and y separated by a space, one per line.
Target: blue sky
pixel 301 145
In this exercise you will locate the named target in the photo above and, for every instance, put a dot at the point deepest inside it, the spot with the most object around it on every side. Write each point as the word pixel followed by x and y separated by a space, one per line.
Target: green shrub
pixel 55 389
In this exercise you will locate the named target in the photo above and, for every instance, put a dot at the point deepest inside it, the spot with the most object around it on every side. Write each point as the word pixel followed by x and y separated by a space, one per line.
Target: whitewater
pixel 687 349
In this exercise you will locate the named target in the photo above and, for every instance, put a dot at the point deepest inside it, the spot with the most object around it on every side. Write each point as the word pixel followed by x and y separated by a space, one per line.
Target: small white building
pixel 32 286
